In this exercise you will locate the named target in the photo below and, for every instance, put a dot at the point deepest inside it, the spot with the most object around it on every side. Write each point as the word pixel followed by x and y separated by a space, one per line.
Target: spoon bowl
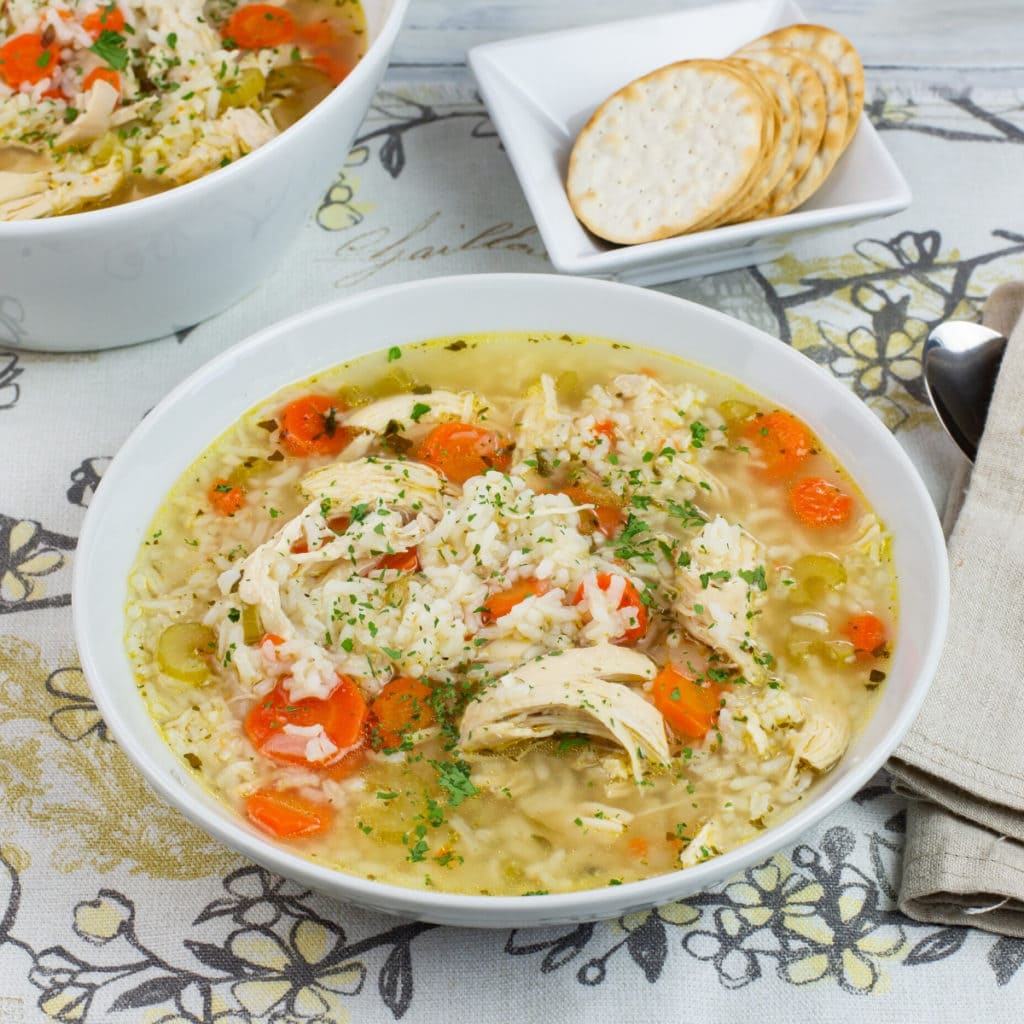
pixel 960 365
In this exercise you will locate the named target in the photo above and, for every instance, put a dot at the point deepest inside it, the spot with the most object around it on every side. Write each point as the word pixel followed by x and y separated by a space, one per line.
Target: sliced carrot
pixel 342 716
pixel 607 428
pixel 639 847
pixel 605 518
pixel 781 440
pixel 319 34
pixel 630 599
pixel 273 638
pixel 690 708
pixel 287 815
pixel 106 19
pixel 402 707
pixel 817 502
pixel 257 25
pixel 336 70
pixel 463 450
pixel 504 601
pixel 108 75
pixel 401 561
pixel 225 498
pixel 867 632
pixel 24 60
pixel 309 426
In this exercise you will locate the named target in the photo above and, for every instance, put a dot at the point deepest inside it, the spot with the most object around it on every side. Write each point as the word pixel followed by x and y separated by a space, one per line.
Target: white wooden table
pixel 935 42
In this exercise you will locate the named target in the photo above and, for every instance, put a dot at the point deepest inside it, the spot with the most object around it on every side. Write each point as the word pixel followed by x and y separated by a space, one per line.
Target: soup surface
pixel 587 619
pixel 105 101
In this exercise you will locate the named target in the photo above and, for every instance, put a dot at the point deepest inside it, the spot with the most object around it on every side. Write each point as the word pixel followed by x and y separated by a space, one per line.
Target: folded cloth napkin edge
pixel 961 832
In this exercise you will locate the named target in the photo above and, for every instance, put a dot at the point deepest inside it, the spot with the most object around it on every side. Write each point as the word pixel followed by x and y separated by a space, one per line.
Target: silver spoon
pixel 960 364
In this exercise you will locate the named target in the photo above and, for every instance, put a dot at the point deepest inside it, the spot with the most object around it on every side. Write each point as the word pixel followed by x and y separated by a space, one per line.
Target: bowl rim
pixel 109 216
pixel 456 908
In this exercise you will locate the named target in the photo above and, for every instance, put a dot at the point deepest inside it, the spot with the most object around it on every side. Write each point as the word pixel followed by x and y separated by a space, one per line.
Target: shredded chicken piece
pixel 236 132
pixel 700 848
pixel 246 125
pixel 42 194
pixel 714 599
pixel 372 420
pixel 409 486
pixel 572 692
pixel 94 120
pixel 823 740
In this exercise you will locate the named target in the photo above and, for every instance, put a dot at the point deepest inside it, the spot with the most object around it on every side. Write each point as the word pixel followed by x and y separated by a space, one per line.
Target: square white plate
pixel 541 90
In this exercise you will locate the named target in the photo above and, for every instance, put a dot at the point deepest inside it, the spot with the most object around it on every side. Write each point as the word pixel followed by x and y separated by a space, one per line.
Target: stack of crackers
pixel 704 143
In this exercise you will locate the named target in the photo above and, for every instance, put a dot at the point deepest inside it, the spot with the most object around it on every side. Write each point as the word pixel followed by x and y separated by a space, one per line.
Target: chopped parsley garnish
pixel 698 434
pixel 754 577
pixel 689 516
pixel 234 614
pixel 707 577
pixel 110 47
pixel 631 544
pixel 453 777
pixel 394 353
pixel 418 410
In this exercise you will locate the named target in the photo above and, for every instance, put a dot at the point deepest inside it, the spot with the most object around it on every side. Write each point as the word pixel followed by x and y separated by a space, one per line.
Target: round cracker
pixel 756 185
pixel 787 136
pixel 665 151
pixel 832 141
pixel 810 97
pixel 834 47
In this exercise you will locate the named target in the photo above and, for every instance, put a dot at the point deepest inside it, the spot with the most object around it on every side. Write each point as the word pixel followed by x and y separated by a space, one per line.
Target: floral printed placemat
pixel 114 909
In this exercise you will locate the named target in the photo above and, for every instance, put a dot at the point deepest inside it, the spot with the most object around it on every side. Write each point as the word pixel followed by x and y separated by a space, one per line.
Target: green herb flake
pixel 418 410
pixel 453 777
pixel 394 353
pixel 110 47
pixel 754 578
pixel 707 577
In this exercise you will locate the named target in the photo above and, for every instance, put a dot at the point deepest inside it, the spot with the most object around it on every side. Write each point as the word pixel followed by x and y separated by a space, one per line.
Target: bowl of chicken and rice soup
pixel 157 158
pixel 511 599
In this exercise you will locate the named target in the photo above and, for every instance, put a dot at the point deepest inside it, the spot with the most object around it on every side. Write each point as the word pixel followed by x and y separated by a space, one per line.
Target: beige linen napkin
pixel 962 763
